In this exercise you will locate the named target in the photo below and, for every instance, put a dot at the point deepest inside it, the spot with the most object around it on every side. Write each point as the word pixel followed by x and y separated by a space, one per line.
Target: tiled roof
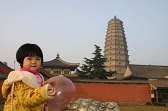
pixel 5 66
pixel 159 83
pixel 112 81
pixel 149 71
pixel 4 70
pixel 57 63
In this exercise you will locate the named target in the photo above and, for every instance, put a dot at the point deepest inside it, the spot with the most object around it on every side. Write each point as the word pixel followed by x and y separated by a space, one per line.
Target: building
pixel 157 77
pixel 134 71
pixel 59 67
pixel 115 50
pixel 4 71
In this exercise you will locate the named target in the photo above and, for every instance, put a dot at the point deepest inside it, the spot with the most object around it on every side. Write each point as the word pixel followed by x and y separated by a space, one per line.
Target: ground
pixel 132 108
pixel 143 108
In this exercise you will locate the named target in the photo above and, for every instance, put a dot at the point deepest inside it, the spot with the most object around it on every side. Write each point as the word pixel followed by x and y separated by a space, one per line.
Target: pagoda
pixel 58 66
pixel 115 50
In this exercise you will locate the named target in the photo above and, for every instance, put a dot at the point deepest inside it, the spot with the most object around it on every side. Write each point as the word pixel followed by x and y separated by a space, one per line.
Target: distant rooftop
pixel 59 63
pixel 149 71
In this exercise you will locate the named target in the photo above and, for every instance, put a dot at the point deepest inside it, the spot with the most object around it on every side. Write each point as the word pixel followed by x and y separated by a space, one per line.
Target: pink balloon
pixel 65 92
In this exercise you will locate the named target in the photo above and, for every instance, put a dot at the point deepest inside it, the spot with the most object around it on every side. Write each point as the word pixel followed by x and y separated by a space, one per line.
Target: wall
pixel 114 92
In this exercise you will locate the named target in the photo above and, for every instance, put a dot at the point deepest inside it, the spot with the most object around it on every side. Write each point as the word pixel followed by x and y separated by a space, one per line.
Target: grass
pixel 143 108
pixel 132 108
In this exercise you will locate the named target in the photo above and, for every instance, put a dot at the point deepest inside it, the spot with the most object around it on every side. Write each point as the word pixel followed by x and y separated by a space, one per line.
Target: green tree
pixel 94 67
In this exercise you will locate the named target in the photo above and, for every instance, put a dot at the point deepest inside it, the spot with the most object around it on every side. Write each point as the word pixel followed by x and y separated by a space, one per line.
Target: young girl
pixel 24 90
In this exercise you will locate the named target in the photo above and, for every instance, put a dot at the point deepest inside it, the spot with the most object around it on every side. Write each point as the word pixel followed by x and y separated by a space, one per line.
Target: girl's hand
pixel 51 91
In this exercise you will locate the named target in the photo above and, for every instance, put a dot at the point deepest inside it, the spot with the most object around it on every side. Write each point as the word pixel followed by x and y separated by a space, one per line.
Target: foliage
pixel 94 67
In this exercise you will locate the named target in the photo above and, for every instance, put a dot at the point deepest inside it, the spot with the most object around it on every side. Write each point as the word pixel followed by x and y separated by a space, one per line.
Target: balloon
pixel 65 92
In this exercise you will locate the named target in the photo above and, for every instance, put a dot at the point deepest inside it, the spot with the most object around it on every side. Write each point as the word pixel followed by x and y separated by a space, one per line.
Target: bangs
pixel 31 54
pixel 34 51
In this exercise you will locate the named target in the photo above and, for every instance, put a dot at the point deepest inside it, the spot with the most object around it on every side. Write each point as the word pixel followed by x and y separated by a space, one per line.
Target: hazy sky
pixel 72 27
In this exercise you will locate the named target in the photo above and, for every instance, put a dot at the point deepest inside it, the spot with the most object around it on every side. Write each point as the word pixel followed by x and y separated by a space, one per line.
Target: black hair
pixel 27 50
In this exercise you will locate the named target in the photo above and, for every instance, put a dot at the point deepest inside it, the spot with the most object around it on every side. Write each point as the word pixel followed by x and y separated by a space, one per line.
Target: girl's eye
pixel 38 59
pixel 29 58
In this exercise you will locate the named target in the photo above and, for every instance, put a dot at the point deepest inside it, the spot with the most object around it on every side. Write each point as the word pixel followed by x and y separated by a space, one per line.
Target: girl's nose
pixel 33 61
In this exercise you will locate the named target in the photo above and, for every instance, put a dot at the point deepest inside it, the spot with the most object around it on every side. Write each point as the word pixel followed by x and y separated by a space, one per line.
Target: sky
pixel 72 28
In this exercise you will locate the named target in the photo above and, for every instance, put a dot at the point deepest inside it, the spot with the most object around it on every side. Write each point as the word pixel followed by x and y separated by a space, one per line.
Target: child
pixel 24 90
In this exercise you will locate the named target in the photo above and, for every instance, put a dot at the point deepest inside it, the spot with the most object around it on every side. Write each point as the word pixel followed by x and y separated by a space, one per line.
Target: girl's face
pixel 32 63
